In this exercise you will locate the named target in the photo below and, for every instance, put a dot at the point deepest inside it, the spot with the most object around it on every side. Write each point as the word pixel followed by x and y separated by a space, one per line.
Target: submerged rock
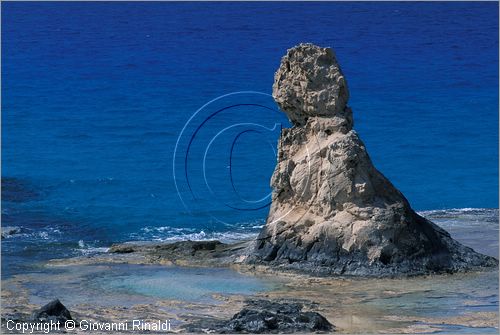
pixel 53 311
pixel 332 211
pixel 264 316
pixel 11 230
pixel 18 190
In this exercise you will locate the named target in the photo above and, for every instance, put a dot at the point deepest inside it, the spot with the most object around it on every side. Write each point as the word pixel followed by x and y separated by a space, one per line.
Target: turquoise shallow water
pixel 126 285
pixel 186 284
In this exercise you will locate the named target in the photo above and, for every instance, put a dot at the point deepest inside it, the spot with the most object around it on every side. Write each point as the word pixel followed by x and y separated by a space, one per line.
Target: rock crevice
pixel 332 211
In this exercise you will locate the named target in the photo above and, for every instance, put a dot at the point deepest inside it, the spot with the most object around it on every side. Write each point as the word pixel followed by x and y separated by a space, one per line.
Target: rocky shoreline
pixel 217 254
pixel 343 301
pixel 258 316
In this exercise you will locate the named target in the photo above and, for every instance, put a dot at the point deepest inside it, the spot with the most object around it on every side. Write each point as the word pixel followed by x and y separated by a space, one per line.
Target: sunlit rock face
pixel 308 83
pixel 332 211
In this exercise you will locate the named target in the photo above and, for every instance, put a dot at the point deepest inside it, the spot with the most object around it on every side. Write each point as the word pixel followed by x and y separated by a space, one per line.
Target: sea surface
pixel 153 121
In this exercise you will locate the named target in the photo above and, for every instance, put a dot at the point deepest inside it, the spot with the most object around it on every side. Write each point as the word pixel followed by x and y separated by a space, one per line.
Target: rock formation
pixel 332 211
pixel 260 316
pixel 264 316
pixel 53 311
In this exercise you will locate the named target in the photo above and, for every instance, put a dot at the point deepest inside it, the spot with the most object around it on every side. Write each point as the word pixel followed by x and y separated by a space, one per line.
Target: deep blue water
pixel 95 97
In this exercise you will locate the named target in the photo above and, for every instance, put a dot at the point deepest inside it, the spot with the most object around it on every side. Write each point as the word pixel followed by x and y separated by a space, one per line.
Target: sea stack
pixel 332 211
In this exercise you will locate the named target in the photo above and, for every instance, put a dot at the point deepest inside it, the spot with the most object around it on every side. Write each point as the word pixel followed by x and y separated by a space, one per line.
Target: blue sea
pixel 153 121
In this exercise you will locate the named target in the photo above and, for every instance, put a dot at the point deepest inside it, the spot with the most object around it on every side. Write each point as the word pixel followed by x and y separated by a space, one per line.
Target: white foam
pixel 93 250
pixel 203 236
pixel 168 233
pixel 458 211
pixel 249 229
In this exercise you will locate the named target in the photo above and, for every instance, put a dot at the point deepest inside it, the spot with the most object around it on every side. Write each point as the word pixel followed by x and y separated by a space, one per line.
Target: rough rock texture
pixel 309 83
pixel 53 311
pixel 11 230
pixel 332 212
pixel 264 316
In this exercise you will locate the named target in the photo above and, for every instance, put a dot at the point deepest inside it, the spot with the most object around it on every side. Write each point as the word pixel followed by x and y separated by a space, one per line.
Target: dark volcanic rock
pixel 122 248
pixel 192 253
pixel 10 230
pixel 180 248
pixel 332 211
pixel 263 316
pixel 266 317
pixel 53 311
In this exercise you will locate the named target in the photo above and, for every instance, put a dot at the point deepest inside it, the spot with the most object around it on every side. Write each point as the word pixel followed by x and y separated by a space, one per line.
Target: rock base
pixel 332 211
